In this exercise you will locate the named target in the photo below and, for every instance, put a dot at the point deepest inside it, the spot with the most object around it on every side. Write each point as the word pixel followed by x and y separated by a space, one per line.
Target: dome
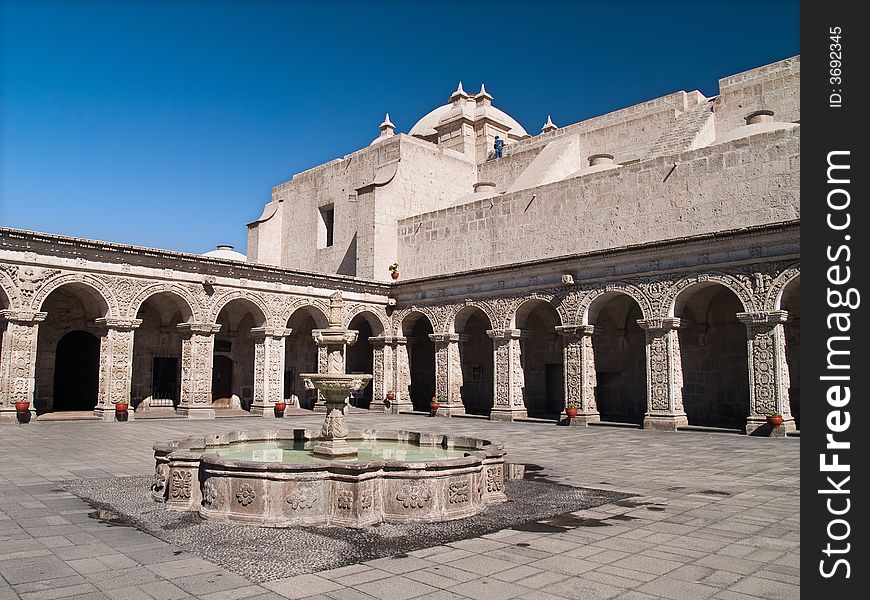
pixel 425 127
pixel 225 252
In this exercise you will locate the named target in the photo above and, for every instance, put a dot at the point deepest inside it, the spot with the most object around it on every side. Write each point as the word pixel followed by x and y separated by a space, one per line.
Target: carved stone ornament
pixel 301 499
pixel 181 485
pixel 457 492
pixel 245 494
pixel 209 492
pixel 414 496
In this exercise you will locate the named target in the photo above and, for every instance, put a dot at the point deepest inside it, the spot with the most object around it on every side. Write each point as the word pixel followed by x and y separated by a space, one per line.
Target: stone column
pixel 116 364
pixel 268 369
pixel 197 360
pixel 322 365
pixel 768 372
pixel 402 373
pixel 448 374
pixel 664 374
pixel 382 370
pixel 578 361
pixel 18 361
pixel 508 380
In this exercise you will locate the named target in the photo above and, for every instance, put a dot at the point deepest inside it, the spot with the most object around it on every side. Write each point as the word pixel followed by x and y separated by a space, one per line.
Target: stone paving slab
pixel 725 508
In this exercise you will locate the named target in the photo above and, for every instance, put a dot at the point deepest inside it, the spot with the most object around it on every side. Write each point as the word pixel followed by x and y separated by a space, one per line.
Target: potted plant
pixel 22 407
pixel 391 395
pixel 433 406
pixel 121 409
pixel 394 270
pixel 774 419
pixel 280 407
pixel 571 409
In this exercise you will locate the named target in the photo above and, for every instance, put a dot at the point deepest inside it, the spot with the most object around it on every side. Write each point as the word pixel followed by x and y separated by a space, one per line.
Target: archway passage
pixel 360 356
pixel 421 357
pixel 234 344
pixel 71 308
pixel 619 348
pixel 713 352
pixel 157 352
pixel 222 377
pixel 301 355
pixel 76 371
pixel 791 302
pixel 476 358
pixel 541 356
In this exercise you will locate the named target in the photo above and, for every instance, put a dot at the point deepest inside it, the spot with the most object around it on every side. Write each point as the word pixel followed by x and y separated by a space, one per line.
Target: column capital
pixel 391 340
pixel 504 334
pixel 200 328
pixel 662 323
pixel 22 317
pixel 274 332
pixel 578 330
pixel 444 338
pixel 764 317
pixel 118 323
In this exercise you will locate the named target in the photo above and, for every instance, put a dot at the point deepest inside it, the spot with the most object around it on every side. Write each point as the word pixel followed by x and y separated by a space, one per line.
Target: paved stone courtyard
pixel 716 516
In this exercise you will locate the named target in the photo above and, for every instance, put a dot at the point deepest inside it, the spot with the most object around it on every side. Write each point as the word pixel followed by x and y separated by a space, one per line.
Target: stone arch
pixel 301 354
pixel 373 317
pixel 318 311
pixel 476 361
pixel 684 287
pixel 360 356
pixel 9 297
pixel 586 311
pixel 95 289
pixel 773 299
pixel 713 354
pixel 541 356
pixel 261 312
pixel 618 354
pixel 188 306
pixel 416 326
pixel 459 309
pixel 400 317
pixel 523 305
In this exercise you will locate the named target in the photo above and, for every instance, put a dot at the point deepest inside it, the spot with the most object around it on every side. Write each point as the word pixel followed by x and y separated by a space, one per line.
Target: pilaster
pixel 116 364
pixel 268 369
pixel 448 374
pixel 20 331
pixel 664 374
pixel 197 360
pixel 768 372
pixel 383 371
pixel 508 379
pixel 402 371
pixel 578 360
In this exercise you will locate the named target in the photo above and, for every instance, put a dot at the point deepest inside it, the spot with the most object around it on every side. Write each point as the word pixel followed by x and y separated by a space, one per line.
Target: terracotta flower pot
pixel 280 406
pixel 571 412
pixel 391 396
pixel 22 407
pixel 122 407
pixel 394 274
pixel 433 408
pixel 775 421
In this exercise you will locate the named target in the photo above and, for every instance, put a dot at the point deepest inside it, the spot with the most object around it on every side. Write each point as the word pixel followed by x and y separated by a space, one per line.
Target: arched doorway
pixel 234 350
pixel 541 358
pixel 360 357
pixel 157 351
pixel 76 371
pixel 476 359
pixel 713 352
pixel 301 353
pixel 421 359
pixel 619 350
pixel 72 308
pixel 791 303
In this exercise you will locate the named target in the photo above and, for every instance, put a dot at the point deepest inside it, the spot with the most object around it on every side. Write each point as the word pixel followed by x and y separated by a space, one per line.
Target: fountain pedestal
pixel 335 385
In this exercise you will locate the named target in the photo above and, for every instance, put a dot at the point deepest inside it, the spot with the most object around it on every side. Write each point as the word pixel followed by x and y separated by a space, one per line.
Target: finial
pixel 459 94
pixel 483 97
pixel 548 126
pixel 387 125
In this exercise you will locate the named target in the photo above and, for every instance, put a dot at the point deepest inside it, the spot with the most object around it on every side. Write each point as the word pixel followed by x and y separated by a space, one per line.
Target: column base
pixel 107 414
pixel 398 405
pixel 450 409
pixel 508 414
pixel 665 422
pixel 10 415
pixel 267 412
pixel 206 412
pixel 581 420
pixel 758 426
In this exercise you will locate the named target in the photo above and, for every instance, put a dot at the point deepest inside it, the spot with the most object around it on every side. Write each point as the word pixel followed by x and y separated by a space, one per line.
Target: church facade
pixel 642 266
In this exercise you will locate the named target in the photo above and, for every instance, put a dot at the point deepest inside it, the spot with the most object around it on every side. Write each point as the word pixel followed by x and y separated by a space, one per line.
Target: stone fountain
pixel 335 385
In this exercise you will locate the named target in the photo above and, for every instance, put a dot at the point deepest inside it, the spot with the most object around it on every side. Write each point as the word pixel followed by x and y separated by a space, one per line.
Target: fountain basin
pixel 270 478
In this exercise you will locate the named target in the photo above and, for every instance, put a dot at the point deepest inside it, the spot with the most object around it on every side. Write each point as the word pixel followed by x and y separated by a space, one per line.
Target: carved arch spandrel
pixel 219 302
pixel 626 288
pixel 181 293
pixel 773 299
pixel 97 284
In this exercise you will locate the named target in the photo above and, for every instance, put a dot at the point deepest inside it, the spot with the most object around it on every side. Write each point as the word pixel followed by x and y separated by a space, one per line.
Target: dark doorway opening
pixel 77 371
pixel 554 389
pixel 222 377
pixel 164 379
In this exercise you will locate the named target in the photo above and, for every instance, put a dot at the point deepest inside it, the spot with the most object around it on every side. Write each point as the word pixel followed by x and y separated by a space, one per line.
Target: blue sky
pixel 166 124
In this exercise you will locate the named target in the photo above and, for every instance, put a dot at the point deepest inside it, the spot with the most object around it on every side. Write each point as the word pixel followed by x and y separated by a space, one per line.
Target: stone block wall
pixel 749 181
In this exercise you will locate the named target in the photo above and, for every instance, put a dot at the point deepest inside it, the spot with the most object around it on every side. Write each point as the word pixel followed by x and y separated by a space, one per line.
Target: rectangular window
pixel 326 226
